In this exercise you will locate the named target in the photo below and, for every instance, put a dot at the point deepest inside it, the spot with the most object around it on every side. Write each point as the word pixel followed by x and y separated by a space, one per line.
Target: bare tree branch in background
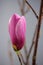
pixel 22 7
pixel 33 42
pixel 19 59
pixel 22 58
pixel 37 35
pixel 31 8
pixel 22 11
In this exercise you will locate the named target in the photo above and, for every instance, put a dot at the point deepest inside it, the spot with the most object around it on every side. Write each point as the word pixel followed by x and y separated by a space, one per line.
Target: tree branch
pixel 22 58
pixel 31 8
pixel 19 59
pixel 37 36
pixel 33 42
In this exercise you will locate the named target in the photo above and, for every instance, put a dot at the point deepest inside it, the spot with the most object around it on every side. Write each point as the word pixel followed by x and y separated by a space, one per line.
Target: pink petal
pixel 20 29
pixel 12 24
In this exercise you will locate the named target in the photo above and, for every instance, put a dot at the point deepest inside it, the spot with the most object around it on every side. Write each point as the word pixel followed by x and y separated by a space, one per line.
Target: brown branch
pixel 21 6
pixel 33 41
pixel 37 36
pixel 19 59
pixel 22 58
pixel 31 8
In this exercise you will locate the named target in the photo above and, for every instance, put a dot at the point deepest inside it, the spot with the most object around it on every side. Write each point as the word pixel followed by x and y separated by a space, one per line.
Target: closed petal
pixel 20 29
pixel 12 24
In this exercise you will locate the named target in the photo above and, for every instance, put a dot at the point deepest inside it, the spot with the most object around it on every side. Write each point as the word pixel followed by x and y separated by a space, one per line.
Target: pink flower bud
pixel 17 31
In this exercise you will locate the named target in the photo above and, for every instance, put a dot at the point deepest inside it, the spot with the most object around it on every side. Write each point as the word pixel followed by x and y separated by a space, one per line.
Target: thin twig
pixel 22 7
pixel 22 58
pixel 37 36
pixel 33 41
pixel 19 59
pixel 31 8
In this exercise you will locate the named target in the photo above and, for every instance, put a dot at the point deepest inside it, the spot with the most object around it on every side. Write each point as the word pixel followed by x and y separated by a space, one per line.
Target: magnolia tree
pixel 17 32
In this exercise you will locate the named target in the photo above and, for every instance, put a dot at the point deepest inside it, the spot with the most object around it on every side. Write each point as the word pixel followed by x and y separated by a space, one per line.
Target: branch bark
pixel 37 36
pixel 33 42
pixel 19 59
pixel 32 8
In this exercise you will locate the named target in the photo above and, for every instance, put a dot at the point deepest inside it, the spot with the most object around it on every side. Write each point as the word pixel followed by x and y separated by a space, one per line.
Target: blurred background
pixel 7 8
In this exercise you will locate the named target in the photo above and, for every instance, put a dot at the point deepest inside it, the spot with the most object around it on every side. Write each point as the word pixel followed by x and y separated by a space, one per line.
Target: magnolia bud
pixel 17 31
